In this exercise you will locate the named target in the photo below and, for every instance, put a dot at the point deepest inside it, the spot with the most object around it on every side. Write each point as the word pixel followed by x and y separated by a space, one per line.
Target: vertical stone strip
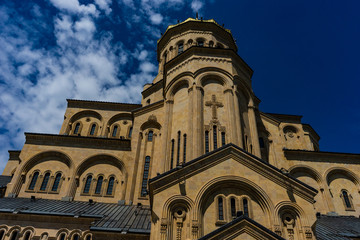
pixel 191 119
pixel 239 140
pixel 253 130
pixel 229 105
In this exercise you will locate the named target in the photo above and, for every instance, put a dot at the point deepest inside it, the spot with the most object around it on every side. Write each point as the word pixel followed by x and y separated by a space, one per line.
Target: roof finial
pixel 197 15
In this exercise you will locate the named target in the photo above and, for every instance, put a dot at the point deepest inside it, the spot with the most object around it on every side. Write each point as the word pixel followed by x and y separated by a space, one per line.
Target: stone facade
pixel 197 150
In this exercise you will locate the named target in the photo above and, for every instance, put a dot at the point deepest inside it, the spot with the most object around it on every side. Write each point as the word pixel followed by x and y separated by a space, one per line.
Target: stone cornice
pixel 318 156
pixel 153 88
pixel 148 108
pixel 78 141
pixel 73 103
pixel 174 176
pixel 215 54
pixel 270 119
pixel 14 155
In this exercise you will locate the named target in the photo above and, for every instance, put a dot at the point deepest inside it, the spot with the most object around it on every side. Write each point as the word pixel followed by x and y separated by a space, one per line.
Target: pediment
pixel 242 228
pixel 237 156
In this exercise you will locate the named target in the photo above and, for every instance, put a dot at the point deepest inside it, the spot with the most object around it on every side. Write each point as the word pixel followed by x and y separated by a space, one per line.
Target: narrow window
pixel 346 199
pixel 246 207
pixel 223 138
pixel 110 188
pixel 172 154
pixel 145 176
pixel 261 142
pixel 206 141
pixel 76 237
pixel 215 137
pixel 200 43
pixel 178 150
pixel 92 131
pixel 87 184
pixel 99 185
pixel 56 182
pixel 246 143
pixel 150 136
pixel 45 182
pixel 33 181
pixel 27 236
pixel 77 127
pixel 62 236
pixel 184 148
pixel 180 48
pixel 115 131
pixel 2 232
pixel 88 237
pixel 221 208
pixel 233 207
pixel 130 132
pixel 14 235
pixel 165 57
pixel 211 44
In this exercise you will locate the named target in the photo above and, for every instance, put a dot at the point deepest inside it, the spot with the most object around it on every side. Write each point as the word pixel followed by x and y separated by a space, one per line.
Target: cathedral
pixel 197 159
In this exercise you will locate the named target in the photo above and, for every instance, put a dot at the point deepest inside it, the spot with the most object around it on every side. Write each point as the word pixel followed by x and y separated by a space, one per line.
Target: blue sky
pixel 305 57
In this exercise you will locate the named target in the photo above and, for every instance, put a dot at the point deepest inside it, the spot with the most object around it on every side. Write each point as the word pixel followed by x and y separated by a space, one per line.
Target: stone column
pixel 165 165
pixel 231 129
pixel 237 116
pixel 253 130
pixel 198 123
pixel 191 117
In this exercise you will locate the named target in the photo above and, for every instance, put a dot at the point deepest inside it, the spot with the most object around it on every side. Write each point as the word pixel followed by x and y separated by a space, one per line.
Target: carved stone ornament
pixel 152 118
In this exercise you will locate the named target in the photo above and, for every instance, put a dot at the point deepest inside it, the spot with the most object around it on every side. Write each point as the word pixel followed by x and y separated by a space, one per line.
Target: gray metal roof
pixel 111 216
pixel 4 180
pixel 337 227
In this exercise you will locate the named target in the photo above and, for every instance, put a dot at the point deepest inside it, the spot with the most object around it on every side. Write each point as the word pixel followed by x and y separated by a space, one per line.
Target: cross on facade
pixel 214 105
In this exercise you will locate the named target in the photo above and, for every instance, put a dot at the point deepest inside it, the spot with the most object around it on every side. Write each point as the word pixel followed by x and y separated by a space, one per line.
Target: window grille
pixel 145 176
pixel 99 185
pixel 87 184
pixel 45 182
pixel 110 188
pixel 33 181
pixel 56 182
pixel 115 131
pixel 206 141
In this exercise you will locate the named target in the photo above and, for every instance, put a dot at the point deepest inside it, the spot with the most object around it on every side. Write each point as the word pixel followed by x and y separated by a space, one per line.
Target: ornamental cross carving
pixel 214 105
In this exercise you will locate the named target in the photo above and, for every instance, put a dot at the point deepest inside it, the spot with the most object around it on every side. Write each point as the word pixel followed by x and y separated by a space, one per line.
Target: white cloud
pixel 104 5
pixel 156 18
pixel 196 5
pixel 73 6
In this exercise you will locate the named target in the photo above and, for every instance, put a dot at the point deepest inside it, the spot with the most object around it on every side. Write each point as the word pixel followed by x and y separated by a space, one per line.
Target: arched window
pixel 215 137
pixel 76 236
pixel 211 44
pixel 261 142
pixel 223 138
pixel 206 141
pixel 88 184
pixel 200 43
pixel 115 131
pixel 150 136
pixel 178 150
pixel 62 236
pixel 220 208
pixel 180 48
pixel 172 153
pixel 14 235
pixel 233 207
pixel 346 200
pixel 130 132
pixel 2 233
pixel 184 160
pixel 26 236
pixel 92 130
pixel 33 181
pixel 99 185
pixel 246 207
pixel 45 182
pixel 88 237
pixel 145 176
pixel 56 182
pixel 76 129
pixel 110 187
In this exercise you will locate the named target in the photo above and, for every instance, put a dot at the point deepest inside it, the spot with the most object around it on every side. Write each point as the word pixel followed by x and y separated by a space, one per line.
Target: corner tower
pixel 207 91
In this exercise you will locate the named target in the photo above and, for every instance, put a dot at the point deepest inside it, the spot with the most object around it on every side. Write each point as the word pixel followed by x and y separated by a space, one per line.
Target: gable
pixel 231 159
pixel 242 228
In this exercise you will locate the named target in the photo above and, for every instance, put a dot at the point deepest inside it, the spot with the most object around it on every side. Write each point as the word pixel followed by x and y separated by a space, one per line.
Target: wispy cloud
pixel 62 50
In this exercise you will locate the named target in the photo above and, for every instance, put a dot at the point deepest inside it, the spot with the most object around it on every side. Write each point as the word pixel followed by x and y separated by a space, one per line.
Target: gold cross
pixel 214 105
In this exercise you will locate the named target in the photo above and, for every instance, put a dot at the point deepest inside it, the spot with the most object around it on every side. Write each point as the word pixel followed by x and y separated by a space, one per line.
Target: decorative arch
pixel 100 159
pixel 254 190
pixel 204 75
pixel 62 230
pixel 309 170
pixel 12 229
pixel 177 200
pixel 352 176
pixel 175 85
pixel 117 117
pixel 85 113
pixel 46 156
pixel 27 229
pixel 151 123
pixel 287 205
